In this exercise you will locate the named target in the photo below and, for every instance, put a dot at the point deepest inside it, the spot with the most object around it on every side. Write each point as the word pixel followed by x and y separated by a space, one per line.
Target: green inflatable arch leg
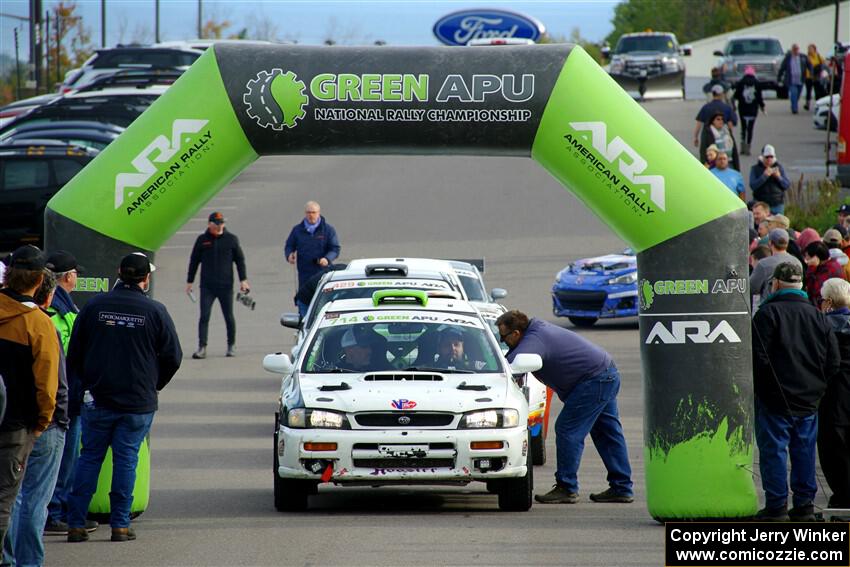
pixel 552 103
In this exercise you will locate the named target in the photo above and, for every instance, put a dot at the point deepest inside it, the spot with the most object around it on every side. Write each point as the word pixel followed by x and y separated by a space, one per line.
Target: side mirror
pixel 686 50
pixel 278 363
pixel 498 293
pixel 290 320
pixel 525 362
pixel 718 53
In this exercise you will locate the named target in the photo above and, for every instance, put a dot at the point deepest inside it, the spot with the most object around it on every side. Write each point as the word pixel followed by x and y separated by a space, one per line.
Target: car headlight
pixel 616 66
pixel 629 278
pixel 490 419
pixel 302 418
pixel 670 64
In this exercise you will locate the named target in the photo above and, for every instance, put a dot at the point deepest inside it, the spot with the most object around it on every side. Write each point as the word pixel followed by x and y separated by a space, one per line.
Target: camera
pixel 245 300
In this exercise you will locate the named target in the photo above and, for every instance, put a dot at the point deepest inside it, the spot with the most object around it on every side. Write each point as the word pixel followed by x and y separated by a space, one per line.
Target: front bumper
pixel 604 303
pixel 663 84
pixel 374 457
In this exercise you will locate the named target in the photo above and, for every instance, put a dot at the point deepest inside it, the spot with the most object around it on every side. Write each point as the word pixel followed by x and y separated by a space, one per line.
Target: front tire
pixel 290 495
pixel 583 321
pixel 516 494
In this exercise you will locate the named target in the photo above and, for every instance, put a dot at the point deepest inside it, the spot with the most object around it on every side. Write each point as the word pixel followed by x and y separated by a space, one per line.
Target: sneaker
pixel 611 495
pixel 200 353
pixel 91 526
pixel 558 495
pixel 55 528
pixel 123 534
pixel 805 513
pixel 772 515
pixel 76 535
pixel 231 351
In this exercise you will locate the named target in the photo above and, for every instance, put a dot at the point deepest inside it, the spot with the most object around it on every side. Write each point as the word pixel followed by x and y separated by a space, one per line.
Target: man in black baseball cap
pixel 843 212
pixel 124 350
pixel 216 251
pixel 29 258
pixel 795 354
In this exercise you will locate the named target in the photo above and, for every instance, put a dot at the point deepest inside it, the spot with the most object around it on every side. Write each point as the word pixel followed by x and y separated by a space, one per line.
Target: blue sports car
pixel 597 288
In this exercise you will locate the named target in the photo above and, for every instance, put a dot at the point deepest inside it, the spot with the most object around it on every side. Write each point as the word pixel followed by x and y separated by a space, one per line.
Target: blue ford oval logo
pixel 458 28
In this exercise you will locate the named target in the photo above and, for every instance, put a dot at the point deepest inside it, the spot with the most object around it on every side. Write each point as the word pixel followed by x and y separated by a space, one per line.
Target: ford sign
pixel 458 28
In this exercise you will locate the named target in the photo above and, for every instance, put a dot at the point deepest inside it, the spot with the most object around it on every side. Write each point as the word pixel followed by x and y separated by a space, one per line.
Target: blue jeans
pixel 777 209
pixel 57 510
pixel 592 408
pixel 23 545
pixel 124 432
pixel 302 308
pixel 794 94
pixel 779 436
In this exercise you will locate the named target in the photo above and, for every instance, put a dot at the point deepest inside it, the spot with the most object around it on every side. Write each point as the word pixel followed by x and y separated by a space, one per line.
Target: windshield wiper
pixel 434 369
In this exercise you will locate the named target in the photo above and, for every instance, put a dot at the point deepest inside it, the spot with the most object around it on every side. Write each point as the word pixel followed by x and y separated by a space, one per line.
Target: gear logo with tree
pixel 276 99
pixel 645 294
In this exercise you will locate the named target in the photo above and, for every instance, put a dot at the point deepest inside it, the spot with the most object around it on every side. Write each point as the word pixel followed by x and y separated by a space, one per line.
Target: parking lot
pixel 211 501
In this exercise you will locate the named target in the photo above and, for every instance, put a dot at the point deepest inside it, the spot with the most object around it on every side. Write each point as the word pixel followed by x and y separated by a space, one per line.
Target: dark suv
pixel 30 174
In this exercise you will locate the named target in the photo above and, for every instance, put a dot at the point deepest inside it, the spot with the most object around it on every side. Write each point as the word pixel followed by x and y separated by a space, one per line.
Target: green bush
pixel 812 204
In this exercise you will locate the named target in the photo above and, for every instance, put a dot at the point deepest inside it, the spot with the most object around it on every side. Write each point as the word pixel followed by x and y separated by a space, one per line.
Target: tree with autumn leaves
pixel 691 20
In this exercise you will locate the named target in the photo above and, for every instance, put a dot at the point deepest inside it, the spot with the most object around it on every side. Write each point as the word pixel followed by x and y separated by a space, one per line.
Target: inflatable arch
pixel 550 102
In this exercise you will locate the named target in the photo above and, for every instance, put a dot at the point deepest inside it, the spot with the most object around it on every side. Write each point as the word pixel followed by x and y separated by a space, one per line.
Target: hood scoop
pixel 473 387
pixel 334 387
pixel 403 377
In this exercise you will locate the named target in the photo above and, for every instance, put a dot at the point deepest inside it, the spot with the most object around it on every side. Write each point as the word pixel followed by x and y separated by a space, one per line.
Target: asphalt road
pixel 211 501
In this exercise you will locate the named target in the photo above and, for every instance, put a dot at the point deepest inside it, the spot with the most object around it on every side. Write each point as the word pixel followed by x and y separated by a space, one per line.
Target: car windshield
pixel 118 110
pixel 648 43
pixel 358 289
pixel 754 47
pixel 379 341
pixel 473 288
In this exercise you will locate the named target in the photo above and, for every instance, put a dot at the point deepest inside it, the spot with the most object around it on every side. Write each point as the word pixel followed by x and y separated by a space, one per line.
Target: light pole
pixel 200 19
pixel 156 21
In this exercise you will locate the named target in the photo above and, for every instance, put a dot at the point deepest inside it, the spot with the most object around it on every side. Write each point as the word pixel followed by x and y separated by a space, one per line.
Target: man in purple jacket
pixel 586 380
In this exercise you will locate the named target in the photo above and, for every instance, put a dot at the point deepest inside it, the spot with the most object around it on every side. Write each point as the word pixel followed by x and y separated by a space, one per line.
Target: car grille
pixel 394 419
pixel 635 67
pixel 760 68
pixel 406 463
pixel 581 300
pixel 403 377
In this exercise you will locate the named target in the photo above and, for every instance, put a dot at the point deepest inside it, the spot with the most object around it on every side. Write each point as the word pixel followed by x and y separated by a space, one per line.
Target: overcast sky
pixel 405 22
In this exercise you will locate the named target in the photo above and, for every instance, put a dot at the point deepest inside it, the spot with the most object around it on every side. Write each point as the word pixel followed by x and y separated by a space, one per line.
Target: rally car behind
pixel 590 289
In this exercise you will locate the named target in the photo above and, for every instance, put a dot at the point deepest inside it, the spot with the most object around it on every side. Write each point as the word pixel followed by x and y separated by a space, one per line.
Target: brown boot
pixel 76 535
pixel 122 534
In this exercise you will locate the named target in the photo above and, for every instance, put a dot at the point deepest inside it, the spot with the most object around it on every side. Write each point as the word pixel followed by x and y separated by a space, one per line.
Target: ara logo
pixel 275 99
pixel 144 164
pixel 403 404
pixel 631 164
pixel 699 332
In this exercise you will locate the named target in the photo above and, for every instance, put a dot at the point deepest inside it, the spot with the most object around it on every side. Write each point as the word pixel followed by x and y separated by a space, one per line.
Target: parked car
pixel 394 415
pixel 96 135
pixel 649 64
pixel 204 44
pixel 590 289
pixel 30 174
pixel 108 61
pixel 764 53
pixel 14 109
pixel 118 106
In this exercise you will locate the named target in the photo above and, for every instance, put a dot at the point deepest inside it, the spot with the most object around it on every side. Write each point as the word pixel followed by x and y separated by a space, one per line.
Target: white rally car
pixel 373 400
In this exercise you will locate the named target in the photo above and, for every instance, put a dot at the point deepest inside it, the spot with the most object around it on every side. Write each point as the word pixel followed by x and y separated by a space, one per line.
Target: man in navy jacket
pixel 124 349
pixel 312 245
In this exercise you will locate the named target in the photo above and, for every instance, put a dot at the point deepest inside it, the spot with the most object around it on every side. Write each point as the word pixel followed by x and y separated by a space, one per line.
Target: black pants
pixel 225 299
pixel 15 447
pixel 834 453
pixel 748 126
